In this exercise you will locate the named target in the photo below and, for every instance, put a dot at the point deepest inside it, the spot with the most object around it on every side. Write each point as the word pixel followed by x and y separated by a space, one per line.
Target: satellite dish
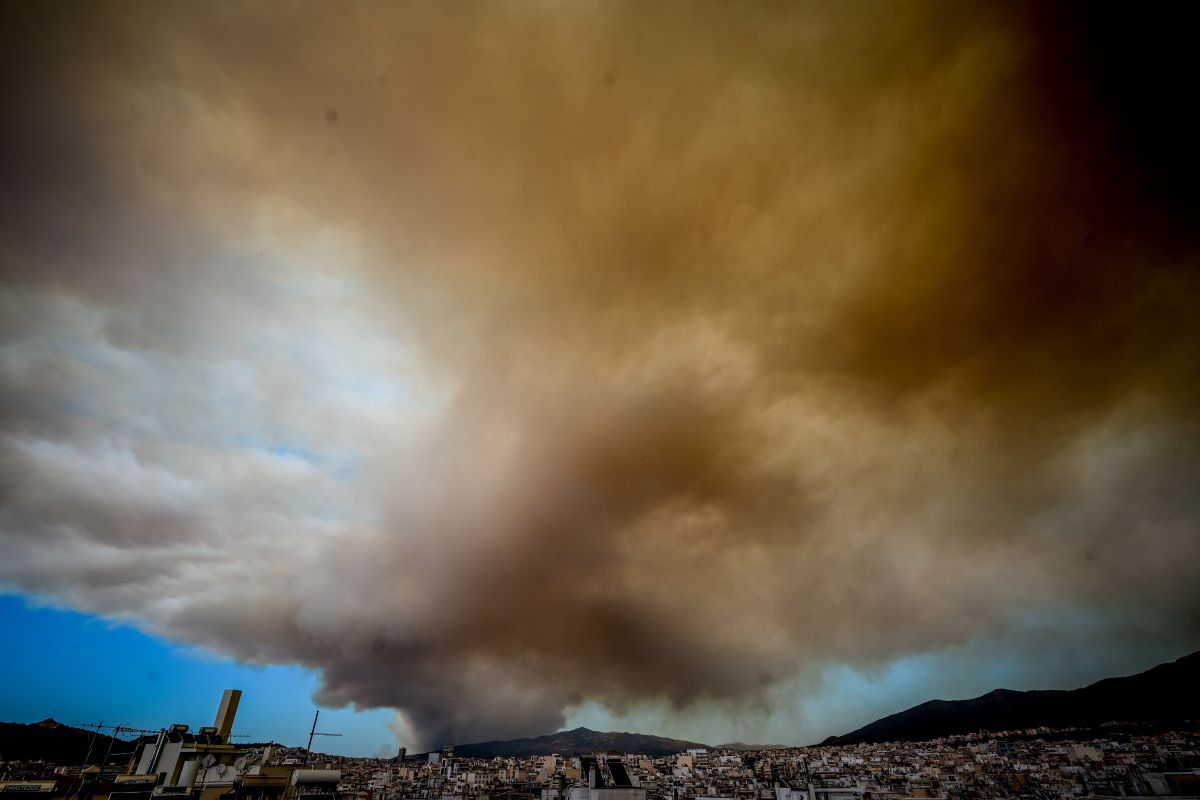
pixel 208 760
pixel 220 769
pixel 240 764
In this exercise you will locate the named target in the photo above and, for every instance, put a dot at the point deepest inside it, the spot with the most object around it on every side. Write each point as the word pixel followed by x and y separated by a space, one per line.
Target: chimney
pixel 226 713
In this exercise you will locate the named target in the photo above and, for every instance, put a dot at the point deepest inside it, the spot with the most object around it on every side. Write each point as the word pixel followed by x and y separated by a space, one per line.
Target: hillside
pixel 56 743
pixel 580 740
pixel 1162 694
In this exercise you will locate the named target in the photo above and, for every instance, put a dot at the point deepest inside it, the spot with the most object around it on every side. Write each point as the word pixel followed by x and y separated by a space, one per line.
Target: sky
pixel 82 670
pixel 726 371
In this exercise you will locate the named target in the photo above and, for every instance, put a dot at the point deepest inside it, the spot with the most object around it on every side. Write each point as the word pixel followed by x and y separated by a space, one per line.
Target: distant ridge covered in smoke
pixel 579 740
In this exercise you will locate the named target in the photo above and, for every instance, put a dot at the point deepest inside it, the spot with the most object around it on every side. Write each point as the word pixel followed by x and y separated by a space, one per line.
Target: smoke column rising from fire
pixel 496 359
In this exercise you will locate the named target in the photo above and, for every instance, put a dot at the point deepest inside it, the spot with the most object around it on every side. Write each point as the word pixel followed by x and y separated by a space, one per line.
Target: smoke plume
pixel 496 359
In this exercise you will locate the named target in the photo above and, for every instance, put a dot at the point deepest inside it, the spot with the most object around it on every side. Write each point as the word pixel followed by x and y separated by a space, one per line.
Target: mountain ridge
pixel 578 740
pixel 1162 693
pixel 54 741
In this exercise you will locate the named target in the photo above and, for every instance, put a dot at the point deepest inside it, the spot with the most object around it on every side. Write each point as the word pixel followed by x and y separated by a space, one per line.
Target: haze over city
pixel 722 371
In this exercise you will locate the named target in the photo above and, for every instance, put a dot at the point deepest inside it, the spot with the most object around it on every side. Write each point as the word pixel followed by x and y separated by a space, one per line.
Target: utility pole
pixel 311 734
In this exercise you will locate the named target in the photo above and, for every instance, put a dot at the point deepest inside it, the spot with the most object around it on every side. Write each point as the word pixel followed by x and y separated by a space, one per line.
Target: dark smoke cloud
pixel 497 359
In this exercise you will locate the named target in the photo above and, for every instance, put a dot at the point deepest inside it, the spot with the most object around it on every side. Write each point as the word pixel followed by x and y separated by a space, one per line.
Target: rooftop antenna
pixel 311 734
pixel 95 727
pixel 117 730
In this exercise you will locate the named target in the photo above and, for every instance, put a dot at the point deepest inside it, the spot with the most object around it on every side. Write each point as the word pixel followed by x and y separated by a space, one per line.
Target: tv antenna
pixel 95 729
pixel 117 730
pixel 311 734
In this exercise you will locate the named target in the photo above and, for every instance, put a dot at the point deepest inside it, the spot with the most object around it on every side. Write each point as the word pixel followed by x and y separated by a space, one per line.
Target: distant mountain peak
pixel 52 741
pixel 578 741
